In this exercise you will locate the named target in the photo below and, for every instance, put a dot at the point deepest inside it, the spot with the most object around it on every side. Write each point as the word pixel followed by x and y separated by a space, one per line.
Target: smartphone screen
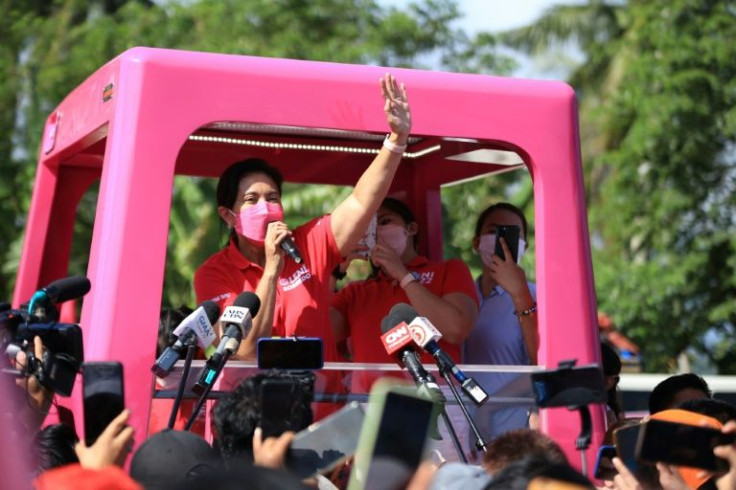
pixel 290 353
pixel 279 398
pixel 683 445
pixel 510 234
pixel 103 396
pixel 400 438
pixel 604 469
pixel 566 387
pixel 325 444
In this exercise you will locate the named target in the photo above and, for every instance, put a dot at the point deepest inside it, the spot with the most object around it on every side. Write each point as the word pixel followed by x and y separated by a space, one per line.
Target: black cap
pixel 170 457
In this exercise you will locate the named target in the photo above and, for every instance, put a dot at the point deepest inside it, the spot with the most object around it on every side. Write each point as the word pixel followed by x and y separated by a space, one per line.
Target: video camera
pixel 64 354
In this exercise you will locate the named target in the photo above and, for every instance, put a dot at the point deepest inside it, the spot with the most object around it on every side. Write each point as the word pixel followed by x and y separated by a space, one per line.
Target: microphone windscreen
pixel 248 300
pixel 401 312
pixel 67 288
pixel 212 310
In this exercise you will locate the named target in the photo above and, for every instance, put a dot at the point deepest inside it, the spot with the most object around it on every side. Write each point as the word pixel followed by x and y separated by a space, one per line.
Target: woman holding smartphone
pixel 506 330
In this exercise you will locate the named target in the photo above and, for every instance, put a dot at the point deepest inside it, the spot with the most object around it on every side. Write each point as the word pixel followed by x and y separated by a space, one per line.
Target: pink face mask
pixel 394 236
pixel 253 221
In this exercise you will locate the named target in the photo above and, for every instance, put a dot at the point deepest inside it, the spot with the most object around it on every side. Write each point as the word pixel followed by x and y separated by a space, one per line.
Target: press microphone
pixel 237 320
pixel 289 247
pixel 426 336
pixel 197 327
pixel 397 340
pixel 61 290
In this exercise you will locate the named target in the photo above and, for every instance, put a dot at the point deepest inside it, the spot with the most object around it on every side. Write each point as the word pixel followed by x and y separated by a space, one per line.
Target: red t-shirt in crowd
pixel 364 304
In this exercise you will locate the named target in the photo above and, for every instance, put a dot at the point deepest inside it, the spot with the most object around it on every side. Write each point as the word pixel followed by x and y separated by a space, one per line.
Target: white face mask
pixel 487 247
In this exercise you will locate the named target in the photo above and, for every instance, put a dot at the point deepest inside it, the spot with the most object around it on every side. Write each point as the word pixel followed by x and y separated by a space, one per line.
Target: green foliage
pixel 51 46
pixel 658 103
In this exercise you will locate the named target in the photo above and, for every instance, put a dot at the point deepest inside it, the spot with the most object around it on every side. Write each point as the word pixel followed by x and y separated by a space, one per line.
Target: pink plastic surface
pixel 128 125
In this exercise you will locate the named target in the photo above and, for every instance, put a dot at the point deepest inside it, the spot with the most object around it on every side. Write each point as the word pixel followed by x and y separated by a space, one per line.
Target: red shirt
pixel 364 304
pixel 303 290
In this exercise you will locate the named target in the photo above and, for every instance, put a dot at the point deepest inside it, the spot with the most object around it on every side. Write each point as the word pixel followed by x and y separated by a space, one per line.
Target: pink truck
pixel 151 114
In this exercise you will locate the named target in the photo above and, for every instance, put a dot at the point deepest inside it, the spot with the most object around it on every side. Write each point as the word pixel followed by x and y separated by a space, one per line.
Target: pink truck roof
pixel 151 114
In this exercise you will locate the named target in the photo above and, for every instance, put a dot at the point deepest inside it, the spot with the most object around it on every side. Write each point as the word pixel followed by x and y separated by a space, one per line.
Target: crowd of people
pixel 489 320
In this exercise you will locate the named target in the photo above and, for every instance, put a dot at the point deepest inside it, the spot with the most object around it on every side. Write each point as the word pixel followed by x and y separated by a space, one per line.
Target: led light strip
pixel 302 146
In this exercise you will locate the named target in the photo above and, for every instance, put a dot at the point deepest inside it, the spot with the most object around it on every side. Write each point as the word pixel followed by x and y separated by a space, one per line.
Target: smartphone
pixel 279 397
pixel 392 438
pixel 683 445
pixel 510 234
pixel 102 390
pixel 325 444
pixel 625 440
pixel 569 386
pixel 290 353
pixel 604 469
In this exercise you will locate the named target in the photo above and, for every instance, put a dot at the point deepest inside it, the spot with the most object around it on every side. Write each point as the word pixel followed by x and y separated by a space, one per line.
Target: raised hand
pixel 111 448
pixel 396 106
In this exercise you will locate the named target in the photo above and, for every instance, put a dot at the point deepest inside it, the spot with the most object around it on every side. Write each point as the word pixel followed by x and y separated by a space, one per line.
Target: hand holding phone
pixel 604 469
pixel 683 445
pixel 279 408
pixel 104 400
pixel 510 234
pixel 325 444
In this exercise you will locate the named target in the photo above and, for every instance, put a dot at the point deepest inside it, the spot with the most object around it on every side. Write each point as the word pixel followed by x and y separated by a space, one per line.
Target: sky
pixel 502 15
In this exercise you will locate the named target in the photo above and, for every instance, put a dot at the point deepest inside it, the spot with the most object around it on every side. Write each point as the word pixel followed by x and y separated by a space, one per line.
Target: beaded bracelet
pixel 393 147
pixel 528 311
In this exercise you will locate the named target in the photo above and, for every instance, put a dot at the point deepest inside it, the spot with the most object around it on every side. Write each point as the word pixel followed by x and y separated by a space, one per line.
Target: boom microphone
pixel 426 336
pixel 289 247
pixel 397 338
pixel 197 327
pixel 57 292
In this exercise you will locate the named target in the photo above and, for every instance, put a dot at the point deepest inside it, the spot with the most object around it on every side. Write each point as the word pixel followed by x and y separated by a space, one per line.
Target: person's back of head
pixel 518 444
pixel 55 447
pixel 677 389
pixel 720 410
pixel 170 457
pixel 237 414
pixel 244 477
pixel 521 473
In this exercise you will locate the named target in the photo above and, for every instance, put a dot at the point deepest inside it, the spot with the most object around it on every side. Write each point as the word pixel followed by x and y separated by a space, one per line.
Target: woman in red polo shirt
pixel 294 296
pixel 443 292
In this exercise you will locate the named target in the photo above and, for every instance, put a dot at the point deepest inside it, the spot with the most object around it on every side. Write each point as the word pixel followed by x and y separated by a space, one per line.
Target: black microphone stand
pixel 208 388
pixel 445 371
pixel 586 428
pixel 440 399
pixel 191 349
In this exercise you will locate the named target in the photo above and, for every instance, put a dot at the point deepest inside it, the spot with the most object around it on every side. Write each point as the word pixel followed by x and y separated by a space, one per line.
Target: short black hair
pixel 55 447
pixel 720 410
pixel 494 207
pixel 227 186
pixel 169 319
pixel 236 415
pixel 663 395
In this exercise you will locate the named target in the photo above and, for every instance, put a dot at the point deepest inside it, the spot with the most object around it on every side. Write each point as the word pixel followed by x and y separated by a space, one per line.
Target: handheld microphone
pixel 237 321
pixel 289 247
pixel 57 292
pixel 197 327
pixel 426 336
pixel 397 338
